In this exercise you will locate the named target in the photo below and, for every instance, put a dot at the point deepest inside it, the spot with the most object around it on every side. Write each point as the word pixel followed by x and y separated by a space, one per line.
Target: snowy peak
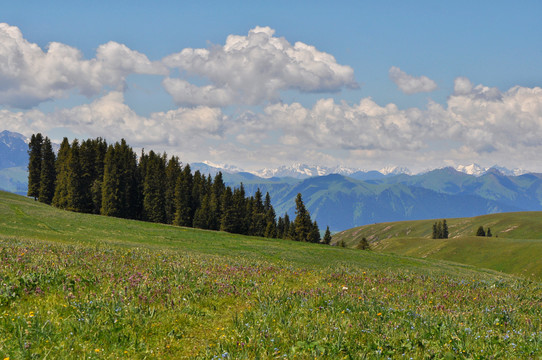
pixel 472 169
pixel 395 170
pixel 477 170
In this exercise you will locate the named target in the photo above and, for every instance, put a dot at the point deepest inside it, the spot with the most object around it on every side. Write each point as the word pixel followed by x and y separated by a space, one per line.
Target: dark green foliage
pixel 60 199
pixel 34 165
pixel 154 189
pixel 75 190
pixel 363 244
pixel 173 172
pixel 48 173
pixel 94 177
pixel 440 230
pixel 327 237
pixel 488 233
pixel 183 198
pixel 480 231
pixel 302 222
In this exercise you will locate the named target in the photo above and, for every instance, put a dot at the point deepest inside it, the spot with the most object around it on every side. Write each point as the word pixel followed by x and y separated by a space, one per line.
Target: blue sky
pixel 372 84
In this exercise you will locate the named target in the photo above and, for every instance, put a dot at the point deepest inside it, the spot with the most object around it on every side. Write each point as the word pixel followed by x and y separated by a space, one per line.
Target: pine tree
pixel 228 219
pixel 280 228
pixel 75 190
pixel 327 237
pixel 488 233
pixel 258 219
pixel 34 165
pixel 445 232
pixel 435 232
pixel 183 198
pixel 363 244
pixel 480 231
pixel 302 222
pixel 48 173
pixel 60 199
pixel 173 172
pixel 314 235
pixel 154 186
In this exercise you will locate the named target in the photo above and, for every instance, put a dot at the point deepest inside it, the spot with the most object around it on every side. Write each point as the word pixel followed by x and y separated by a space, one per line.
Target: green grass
pixel 79 286
pixel 515 248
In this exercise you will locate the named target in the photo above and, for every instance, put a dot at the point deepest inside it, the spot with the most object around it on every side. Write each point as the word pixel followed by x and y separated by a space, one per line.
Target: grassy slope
pixel 77 286
pixel 515 248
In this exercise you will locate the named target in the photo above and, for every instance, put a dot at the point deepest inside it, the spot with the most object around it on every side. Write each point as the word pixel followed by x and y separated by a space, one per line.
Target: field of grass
pixel 82 286
pixel 515 248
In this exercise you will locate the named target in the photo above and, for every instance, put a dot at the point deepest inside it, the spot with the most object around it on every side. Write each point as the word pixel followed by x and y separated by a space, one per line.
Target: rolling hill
pixel 515 248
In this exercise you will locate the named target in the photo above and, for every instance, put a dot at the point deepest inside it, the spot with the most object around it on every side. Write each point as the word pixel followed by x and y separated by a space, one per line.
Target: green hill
pixel 84 286
pixel 515 248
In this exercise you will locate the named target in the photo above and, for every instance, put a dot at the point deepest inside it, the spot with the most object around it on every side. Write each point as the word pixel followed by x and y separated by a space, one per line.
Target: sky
pixel 254 84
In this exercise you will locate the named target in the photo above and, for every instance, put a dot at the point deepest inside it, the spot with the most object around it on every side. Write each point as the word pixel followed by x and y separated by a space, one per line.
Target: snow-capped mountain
pixel 395 170
pixel 477 170
pixel 13 150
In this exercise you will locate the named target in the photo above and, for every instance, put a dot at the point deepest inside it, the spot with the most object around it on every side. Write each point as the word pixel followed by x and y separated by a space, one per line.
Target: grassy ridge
pixel 79 286
pixel 515 248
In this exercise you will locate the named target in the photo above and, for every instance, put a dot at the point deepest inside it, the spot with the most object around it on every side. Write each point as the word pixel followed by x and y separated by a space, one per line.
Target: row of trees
pixel 94 177
pixel 440 230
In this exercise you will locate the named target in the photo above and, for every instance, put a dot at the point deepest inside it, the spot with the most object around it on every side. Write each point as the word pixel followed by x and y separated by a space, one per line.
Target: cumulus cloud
pixel 111 118
pixel 253 69
pixel 478 122
pixel 410 84
pixel 29 75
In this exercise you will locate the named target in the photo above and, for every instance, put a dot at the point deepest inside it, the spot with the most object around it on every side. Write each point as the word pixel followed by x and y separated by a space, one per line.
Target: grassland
pixel 515 248
pixel 80 286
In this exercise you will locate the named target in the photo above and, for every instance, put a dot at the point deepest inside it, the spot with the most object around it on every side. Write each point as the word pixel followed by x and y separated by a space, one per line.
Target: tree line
pixel 97 178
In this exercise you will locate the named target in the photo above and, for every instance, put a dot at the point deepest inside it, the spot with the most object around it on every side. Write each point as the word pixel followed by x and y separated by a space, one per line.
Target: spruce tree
pixel 173 172
pixel 327 237
pixel 154 186
pixel 480 231
pixel 60 199
pixel 183 198
pixel 488 233
pixel 314 235
pixel 75 189
pixel 48 173
pixel 445 232
pixel 302 222
pixel 34 165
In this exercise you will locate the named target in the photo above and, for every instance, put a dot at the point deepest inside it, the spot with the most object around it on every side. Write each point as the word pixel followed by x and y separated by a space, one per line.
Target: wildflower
pixel 379 314
pixel 345 287
pixel 96 350
pixel 31 314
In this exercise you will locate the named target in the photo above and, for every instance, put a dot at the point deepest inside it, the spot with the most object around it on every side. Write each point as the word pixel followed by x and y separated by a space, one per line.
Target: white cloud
pixel 253 69
pixel 28 75
pixel 410 84
pixel 109 117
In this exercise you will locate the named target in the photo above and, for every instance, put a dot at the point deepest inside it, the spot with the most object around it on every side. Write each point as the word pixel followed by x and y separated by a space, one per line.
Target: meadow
pixel 515 247
pixel 76 286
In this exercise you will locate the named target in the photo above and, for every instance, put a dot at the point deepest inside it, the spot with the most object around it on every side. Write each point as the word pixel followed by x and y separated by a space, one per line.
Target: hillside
pixel 77 285
pixel 515 248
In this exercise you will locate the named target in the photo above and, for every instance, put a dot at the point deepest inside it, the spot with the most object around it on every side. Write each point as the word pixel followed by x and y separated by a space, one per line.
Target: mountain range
pixel 343 197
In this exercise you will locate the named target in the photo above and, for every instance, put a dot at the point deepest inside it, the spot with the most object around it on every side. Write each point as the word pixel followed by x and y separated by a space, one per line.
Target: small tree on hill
pixel 327 237
pixel 363 244
pixel 480 231
pixel 488 233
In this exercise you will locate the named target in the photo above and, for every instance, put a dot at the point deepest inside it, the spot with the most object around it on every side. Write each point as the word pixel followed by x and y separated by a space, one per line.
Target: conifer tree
pixel 302 222
pixel 363 244
pixel 445 232
pixel 327 237
pixel 173 172
pixel 228 219
pixel 60 199
pixel 280 228
pixel 270 218
pixel 480 231
pixel 75 184
pixel 488 233
pixel 201 220
pixel 48 173
pixel 183 198
pixel 314 235
pixel 34 165
pixel 154 186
